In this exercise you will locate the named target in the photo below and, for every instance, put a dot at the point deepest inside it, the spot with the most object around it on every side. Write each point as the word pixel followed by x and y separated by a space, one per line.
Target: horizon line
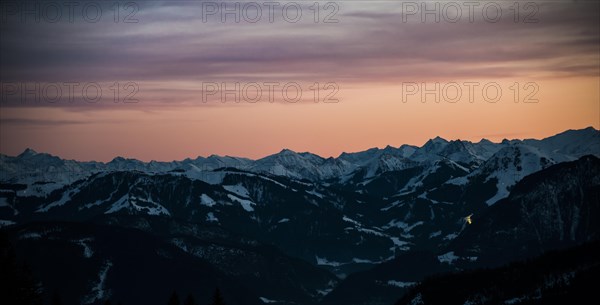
pixel 298 152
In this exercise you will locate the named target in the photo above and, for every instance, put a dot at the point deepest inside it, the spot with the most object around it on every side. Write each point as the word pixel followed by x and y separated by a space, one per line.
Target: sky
pixel 167 80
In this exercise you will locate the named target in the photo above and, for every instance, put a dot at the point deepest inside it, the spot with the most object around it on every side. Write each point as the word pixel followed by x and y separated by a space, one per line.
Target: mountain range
pixel 297 228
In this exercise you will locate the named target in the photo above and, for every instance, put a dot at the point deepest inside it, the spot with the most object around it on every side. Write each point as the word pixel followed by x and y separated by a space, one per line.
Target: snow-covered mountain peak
pixel 434 144
pixel 287 151
pixel 288 154
pixel 458 145
pixel 462 151
pixel 120 159
pixel 430 151
pixel 27 153
pixel 34 160
pixel 572 144
pixel 361 156
pixel 511 164
pixel 407 150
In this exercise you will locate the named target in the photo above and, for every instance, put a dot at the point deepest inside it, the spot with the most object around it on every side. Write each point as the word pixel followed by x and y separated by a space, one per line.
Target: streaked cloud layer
pixel 373 48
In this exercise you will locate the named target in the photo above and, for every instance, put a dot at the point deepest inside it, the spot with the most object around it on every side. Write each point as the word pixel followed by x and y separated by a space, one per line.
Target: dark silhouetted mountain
pixel 385 282
pixel 556 278
pixel 551 209
pixel 91 263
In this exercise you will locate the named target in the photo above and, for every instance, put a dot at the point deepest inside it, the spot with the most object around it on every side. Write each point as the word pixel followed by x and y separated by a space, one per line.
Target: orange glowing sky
pixel 370 53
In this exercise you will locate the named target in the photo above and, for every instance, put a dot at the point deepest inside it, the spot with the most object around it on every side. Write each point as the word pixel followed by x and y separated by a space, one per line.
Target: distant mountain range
pixel 296 228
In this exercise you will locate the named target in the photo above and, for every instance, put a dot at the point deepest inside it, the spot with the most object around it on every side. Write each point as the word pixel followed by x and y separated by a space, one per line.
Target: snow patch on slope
pixel 4 223
pixel 66 197
pixel 448 258
pixel 400 284
pixel 87 249
pixel 206 200
pixel 246 204
pixel 120 204
pixel 210 217
pixel 237 189
pixel 99 291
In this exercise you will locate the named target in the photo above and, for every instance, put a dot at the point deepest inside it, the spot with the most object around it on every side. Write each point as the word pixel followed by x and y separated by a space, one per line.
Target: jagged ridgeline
pixel 292 228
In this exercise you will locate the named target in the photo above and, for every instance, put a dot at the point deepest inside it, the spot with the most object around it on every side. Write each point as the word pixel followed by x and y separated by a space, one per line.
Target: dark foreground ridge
pixel 557 277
